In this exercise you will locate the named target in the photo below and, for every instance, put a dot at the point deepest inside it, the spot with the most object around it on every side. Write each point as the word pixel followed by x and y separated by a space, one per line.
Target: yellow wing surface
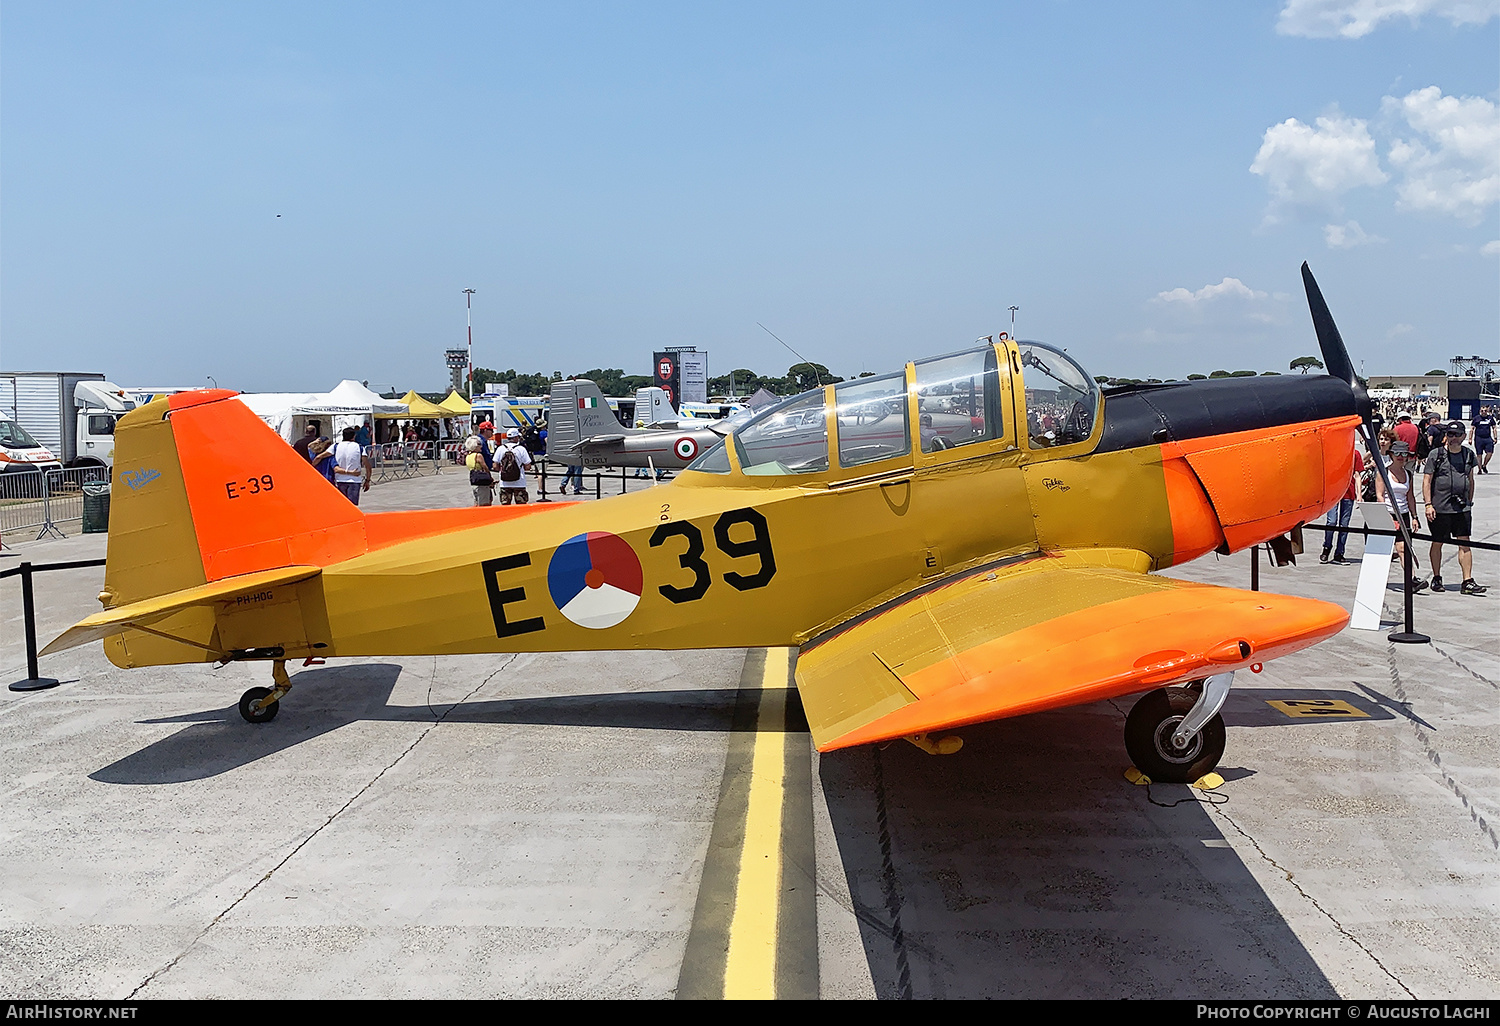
pixel 1040 633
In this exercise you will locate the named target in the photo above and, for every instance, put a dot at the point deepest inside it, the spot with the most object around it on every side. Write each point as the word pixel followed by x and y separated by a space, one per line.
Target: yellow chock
pixel 941 746
pixel 1136 777
pixel 1208 782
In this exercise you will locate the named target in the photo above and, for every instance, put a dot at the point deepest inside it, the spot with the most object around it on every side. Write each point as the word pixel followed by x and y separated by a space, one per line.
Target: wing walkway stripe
pixel 754 932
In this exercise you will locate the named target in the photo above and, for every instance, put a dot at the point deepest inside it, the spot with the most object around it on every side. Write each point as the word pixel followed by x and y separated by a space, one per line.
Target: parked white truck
pixel 71 415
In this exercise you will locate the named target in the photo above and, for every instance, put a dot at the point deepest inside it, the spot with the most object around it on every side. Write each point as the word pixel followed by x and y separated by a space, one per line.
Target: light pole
pixel 469 317
pixel 1013 321
pixel 211 380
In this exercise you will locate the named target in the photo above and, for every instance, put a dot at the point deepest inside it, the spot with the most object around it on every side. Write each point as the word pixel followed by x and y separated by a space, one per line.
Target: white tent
pixel 349 404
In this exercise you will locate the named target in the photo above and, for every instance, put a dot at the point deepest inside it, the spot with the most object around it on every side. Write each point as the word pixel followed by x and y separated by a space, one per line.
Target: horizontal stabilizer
pixel 148 611
pixel 1049 632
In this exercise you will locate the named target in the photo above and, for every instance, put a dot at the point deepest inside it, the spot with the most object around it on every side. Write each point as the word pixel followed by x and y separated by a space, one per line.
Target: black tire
pixel 266 714
pixel 1148 738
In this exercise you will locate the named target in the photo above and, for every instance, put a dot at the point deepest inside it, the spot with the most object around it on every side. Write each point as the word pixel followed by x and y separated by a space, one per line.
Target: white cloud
pixel 1491 248
pixel 1229 303
pixel 1308 166
pixel 1348 236
pixel 1324 19
pixel 1399 329
pixel 1452 162
pixel 1229 288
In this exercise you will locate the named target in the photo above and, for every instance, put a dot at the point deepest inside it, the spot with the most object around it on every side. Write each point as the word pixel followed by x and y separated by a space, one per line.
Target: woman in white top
pixel 1399 499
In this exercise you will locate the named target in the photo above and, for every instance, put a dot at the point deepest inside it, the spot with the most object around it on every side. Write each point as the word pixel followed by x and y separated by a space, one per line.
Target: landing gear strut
pixel 1176 735
pixel 260 705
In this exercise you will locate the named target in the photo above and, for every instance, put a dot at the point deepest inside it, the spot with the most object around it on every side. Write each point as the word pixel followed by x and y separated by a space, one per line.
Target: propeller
pixel 1336 361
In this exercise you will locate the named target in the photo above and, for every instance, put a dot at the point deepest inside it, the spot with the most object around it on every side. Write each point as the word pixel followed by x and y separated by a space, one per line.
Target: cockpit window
pixel 1060 397
pixel 872 419
pixel 715 461
pixel 790 438
pixel 958 400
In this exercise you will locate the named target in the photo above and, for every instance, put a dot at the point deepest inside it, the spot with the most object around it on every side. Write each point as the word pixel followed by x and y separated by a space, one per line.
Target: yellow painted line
pixel 1304 708
pixel 750 968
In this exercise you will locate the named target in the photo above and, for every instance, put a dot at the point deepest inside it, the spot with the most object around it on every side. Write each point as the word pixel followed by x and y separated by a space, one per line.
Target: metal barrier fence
pixel 397 461
pixel 599 476
pixel 41 500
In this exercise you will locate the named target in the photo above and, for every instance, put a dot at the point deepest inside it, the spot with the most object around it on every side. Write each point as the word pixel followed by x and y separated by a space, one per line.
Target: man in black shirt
pixel 1448 490
pixel 1482 434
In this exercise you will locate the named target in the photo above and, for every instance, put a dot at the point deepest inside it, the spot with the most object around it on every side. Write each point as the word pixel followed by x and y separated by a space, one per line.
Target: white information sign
pixel 1374 568
pixel 694 377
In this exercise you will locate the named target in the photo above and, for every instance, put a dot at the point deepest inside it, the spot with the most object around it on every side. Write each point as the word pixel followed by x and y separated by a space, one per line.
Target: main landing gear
pixel 260 705
pixel 1176 735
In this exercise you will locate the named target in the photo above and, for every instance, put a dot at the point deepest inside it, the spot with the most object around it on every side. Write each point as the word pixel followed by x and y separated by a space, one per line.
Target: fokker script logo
pixel 1052 482
pixel 139 478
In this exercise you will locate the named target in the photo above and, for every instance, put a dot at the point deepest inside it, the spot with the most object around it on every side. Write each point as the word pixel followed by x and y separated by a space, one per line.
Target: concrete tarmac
pixel 578 825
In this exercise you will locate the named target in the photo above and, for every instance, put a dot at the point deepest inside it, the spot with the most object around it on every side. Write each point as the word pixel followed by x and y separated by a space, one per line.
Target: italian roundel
pixel 686 448
pixel 595 579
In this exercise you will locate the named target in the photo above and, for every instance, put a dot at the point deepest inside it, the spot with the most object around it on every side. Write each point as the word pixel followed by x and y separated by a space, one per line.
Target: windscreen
pixel 14 436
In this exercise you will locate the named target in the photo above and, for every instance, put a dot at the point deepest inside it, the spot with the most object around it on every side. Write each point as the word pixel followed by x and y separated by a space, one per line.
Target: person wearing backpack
pixel 511 461
pixel 479 473
pixel 1448 490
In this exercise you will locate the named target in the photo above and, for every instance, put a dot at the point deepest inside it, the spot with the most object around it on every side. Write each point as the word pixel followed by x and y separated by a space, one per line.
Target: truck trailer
pixel 72 415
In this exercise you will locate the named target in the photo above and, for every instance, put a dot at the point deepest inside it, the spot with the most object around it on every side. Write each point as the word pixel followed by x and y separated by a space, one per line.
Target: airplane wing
pixel 1045 632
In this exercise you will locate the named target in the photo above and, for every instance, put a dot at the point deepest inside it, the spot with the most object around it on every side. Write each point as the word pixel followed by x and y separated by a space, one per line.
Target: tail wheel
pixel 265 713
pixel 1148 738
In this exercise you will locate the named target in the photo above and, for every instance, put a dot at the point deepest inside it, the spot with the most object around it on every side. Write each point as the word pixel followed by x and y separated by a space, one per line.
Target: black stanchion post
pixel 543 496
pixel 622 480
pixel 1255 568
pixel 1409 636
pixel 598 484
pixel 34 680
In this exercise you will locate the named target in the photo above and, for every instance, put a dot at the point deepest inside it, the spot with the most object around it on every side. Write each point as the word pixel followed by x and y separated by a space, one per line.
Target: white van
pixel 22 461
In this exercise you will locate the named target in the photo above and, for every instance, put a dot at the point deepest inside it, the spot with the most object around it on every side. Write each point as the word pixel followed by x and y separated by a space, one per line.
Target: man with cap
pixel 486 434
pixel 1432 434
pixel 1407 431
pixel 511 461
pixel 1448 491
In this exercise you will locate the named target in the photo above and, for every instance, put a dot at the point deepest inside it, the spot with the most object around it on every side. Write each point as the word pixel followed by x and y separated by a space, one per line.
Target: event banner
pixel 667 376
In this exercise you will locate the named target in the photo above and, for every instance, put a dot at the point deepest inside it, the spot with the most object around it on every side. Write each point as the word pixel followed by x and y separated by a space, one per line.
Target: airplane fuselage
pixel 736 559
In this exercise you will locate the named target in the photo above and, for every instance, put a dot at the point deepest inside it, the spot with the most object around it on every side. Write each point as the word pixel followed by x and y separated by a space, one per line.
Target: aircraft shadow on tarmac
pixel 217 740
pixel 1023 866
pixel 1026 866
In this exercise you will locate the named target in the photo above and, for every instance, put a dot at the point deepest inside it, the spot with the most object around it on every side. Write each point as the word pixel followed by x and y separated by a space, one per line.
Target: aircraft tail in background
pixel 578 411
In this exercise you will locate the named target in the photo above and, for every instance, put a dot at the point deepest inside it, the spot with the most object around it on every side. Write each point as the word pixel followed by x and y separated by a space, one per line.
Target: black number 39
pixel 759 544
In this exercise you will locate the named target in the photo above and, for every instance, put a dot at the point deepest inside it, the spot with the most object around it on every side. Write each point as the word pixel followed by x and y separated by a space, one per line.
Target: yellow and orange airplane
pixel 967 539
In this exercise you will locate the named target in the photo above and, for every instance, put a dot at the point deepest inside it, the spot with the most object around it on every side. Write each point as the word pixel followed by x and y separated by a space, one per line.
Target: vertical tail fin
pixel 204 490
pixel 577 412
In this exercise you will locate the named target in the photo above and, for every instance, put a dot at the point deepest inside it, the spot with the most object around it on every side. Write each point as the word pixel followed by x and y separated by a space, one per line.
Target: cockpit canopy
pixel 964 404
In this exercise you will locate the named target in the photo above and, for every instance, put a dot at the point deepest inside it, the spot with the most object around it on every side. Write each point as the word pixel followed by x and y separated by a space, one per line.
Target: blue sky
pixel 874 183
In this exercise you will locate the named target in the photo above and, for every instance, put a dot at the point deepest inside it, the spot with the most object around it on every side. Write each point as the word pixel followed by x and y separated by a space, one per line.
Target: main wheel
pixel 1148 738
pixel 266 713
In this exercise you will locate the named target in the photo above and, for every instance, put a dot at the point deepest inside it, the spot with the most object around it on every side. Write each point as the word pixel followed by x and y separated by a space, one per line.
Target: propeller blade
pixel 1335 356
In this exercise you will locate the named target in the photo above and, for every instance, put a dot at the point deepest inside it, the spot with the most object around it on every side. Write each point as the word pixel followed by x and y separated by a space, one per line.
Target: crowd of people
pixel 1433 471
pixel 346 463
pixel 503 461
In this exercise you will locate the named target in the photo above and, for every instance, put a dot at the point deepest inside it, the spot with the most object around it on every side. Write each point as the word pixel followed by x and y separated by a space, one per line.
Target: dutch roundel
pixel 685 448
pixel 595 579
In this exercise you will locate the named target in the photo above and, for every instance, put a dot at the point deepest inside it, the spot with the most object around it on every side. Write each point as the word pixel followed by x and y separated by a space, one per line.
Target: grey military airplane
pixel 582 431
